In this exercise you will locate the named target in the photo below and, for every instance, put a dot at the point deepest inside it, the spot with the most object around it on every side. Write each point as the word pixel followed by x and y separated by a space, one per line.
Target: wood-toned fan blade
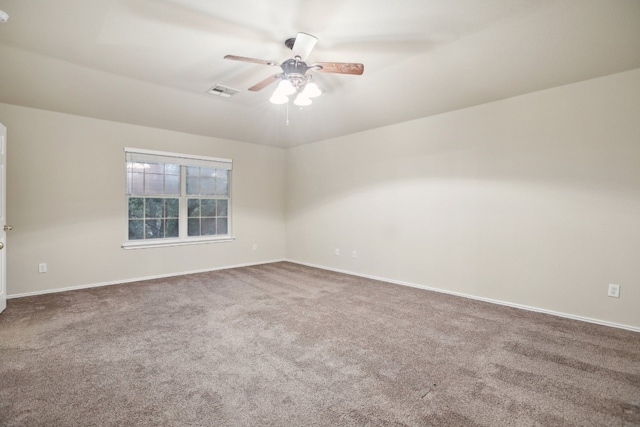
pixel 338 67
pixel 252 60
pixel 304 45
pixel 266 82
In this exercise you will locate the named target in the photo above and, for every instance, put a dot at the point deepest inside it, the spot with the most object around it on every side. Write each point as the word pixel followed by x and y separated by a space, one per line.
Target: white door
pixel 3 218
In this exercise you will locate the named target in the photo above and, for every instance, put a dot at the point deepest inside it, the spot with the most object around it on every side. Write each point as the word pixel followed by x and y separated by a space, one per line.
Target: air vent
pixel 223 91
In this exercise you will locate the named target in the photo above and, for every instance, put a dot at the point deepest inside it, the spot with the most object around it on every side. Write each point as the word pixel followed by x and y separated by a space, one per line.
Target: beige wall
pixel 65 199
pixel 534 200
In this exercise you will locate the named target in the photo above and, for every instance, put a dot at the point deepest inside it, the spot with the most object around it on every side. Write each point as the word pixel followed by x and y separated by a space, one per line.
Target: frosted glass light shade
pixel 285 88
pixel 278 98
pixel 302 101
pixel 311 90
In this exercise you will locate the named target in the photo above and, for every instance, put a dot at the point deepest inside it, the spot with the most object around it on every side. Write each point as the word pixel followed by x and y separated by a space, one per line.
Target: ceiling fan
pixel 295 76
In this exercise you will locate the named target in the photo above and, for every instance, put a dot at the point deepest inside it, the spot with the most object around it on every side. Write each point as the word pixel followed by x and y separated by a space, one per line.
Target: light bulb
pixel 302 101
pixel 285 88
pixel 278 98
pixel 311 90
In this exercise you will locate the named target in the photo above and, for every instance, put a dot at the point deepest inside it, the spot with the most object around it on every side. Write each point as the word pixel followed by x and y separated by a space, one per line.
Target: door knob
pixel 7 228
pixel 1 246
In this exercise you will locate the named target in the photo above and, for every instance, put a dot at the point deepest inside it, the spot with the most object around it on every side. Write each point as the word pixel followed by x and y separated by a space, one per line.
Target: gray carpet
pixel 287 345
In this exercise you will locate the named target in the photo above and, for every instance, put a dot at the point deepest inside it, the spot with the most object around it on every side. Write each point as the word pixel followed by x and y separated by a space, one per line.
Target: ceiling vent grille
pixel 222 91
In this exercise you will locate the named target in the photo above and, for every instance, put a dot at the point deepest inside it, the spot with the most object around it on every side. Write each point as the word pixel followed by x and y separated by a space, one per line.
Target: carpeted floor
pixel 287 345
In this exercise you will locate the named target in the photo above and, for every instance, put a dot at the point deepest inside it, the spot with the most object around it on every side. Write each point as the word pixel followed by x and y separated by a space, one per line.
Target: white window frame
pixel 152 156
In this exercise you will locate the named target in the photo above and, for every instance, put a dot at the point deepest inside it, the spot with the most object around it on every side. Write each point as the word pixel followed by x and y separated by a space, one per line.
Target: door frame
pixel 3 217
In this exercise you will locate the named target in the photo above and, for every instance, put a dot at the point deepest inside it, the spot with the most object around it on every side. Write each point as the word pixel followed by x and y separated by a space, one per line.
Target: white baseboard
pixel 493 301
pixel 367 276
pixel 139 279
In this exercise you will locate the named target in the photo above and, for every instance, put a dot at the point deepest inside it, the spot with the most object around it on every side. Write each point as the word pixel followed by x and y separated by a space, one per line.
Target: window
pixel 176 199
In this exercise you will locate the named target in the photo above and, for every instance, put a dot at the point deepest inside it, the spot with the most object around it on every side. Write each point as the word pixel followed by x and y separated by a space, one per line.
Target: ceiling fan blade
pixel 338 68
pixel 252 60
pixel 303 45
pixel 266 82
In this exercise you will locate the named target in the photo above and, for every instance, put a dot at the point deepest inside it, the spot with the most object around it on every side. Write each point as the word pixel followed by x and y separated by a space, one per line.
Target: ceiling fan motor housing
pixel 295 71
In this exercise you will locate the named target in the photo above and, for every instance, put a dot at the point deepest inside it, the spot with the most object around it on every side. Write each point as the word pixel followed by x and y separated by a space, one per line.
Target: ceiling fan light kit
pixel 287 87
pixel 294 77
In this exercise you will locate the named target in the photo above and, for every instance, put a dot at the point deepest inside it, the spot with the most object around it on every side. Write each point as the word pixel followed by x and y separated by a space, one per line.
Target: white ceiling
pixel 150 62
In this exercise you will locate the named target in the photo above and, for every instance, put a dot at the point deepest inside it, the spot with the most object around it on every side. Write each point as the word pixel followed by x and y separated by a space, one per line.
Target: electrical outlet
pixel 354 255
pixel 614 291
pixel 255 246
pixel 42 267
pixel 337 252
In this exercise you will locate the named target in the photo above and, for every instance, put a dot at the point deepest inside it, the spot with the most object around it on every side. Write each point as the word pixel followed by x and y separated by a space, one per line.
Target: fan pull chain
pixel 287 114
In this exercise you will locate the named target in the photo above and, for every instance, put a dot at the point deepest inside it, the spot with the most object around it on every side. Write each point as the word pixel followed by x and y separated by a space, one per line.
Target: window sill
pixel 143 244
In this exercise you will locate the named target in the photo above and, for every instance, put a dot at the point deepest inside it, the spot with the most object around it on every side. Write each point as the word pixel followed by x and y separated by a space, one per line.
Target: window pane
pixel 137 183
pixel 222 182
pixel 193 185
pixel 154 168
pixel 193 208
pixel 153 178
pixel 172 184
pixel 171 228
pixel 154 208
pixel 136 229
pixel 222 225
pixel 172 208
pixel 136 207
pixel 222 207
pixel 209 172
pixel 193 227
pixel 201 181
pixel 170 169
pixel 208 207
pixel 207 186
pixel 136 167
pixel 208 226
pixel 153 228
pixel 135 178
pixel 153 184
pixel 129 182
pixel 222 188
